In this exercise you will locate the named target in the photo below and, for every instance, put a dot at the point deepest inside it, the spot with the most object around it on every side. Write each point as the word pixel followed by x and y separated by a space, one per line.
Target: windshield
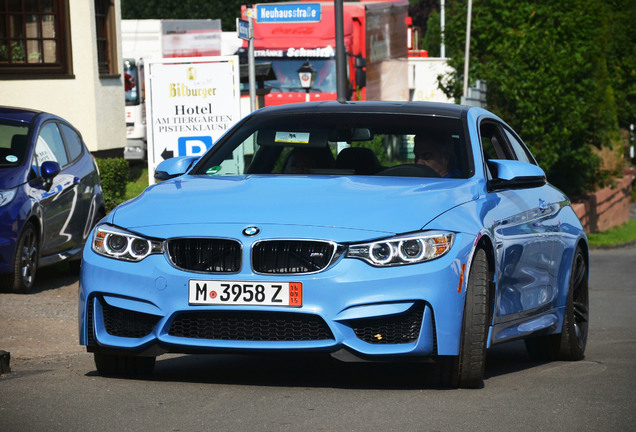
pixel 342 144
pixel 13 143
pixel 287 81
pixel 131 81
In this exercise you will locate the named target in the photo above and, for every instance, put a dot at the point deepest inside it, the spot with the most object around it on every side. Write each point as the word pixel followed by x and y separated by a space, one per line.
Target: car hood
pixel 386 205
pixel 11 177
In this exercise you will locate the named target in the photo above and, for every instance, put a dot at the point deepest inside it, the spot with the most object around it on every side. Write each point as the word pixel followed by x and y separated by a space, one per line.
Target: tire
pixel 570 344
pixel 122 365
pixel 25 262
pixel 467 369
pixel 74 267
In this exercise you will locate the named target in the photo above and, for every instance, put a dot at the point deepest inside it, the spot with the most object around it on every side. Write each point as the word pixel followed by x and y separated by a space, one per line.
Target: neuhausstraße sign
pixel 288 13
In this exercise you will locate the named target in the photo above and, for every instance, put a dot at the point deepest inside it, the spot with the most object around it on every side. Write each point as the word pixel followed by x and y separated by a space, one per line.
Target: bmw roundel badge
pixel 251 231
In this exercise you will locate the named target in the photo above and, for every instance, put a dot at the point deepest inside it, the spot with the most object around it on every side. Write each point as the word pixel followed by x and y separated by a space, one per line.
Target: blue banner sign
pixel 288 13
pixel 193 145
pixel 243 29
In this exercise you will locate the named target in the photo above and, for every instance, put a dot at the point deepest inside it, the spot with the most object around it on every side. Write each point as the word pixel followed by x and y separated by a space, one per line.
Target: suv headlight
pixel 113 242
pixel 6 196
pixel 404 249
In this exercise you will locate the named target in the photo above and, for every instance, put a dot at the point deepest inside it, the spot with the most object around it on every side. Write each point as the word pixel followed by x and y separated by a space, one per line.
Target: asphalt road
pixel 53 385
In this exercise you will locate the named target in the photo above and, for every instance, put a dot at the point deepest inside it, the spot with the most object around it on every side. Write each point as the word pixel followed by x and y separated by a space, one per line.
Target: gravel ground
pixel 41 324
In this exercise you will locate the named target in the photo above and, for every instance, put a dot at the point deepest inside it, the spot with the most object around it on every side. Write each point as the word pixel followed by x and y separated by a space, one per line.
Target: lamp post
pixel 306 74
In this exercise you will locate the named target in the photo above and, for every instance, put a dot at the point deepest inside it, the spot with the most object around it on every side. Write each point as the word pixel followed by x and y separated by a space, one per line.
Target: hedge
pixel 114 173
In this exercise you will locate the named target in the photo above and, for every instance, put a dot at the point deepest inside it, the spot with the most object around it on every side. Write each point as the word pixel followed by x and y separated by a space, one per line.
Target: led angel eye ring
pixel 116 244
pixel 412 249
pixel 381 253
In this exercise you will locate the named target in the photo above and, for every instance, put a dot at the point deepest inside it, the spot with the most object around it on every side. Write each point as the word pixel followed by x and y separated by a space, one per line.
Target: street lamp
pixel 307 75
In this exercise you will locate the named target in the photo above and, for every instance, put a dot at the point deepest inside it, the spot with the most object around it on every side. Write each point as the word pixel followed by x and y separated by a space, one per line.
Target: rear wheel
pixel 570 343
pixel 467 369
pixel 122 365
pixel 25 262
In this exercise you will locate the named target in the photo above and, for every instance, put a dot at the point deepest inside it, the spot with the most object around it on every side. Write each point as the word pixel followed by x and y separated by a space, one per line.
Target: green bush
pixel 114 173
pixel 550 74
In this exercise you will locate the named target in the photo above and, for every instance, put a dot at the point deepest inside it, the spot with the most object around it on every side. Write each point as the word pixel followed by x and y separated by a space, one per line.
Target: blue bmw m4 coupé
pixel 368 230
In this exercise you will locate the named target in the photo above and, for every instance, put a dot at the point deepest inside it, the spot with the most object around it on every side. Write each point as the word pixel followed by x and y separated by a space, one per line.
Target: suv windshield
pixel 287 79
pixel 342 144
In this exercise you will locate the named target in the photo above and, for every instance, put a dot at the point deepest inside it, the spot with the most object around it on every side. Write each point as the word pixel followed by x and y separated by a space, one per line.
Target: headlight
pixel 117 243
pixel 6 196
pixel 404 249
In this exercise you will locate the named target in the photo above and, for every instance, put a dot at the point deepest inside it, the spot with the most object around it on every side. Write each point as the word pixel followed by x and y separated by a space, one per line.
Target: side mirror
pixel 49 170
pixel 361 74
pixel 512 174
pixel 174 167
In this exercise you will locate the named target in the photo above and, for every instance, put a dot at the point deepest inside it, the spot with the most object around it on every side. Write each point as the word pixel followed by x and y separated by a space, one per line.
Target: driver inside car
pixel 434 150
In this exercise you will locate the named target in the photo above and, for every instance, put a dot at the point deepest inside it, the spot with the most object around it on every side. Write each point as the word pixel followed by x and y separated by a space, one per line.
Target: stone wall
pixel 607 207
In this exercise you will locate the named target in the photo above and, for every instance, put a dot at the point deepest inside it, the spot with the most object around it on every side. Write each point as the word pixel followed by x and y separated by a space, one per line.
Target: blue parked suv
pixel 50 195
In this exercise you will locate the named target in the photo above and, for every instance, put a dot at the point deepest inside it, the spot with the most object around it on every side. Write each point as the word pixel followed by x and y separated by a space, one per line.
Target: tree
pixel 621 58
pixel 433 37
pixel 547 72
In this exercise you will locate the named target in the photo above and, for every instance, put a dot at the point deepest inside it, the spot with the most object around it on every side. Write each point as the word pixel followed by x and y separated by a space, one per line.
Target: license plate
pixel 205 292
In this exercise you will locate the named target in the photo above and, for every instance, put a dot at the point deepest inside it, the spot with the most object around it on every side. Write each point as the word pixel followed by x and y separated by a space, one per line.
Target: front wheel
pixel 123 365
pixel 25 262
pixel 467 369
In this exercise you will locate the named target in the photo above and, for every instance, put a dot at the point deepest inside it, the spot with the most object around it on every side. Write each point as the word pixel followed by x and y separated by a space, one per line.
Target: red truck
pixel 375 34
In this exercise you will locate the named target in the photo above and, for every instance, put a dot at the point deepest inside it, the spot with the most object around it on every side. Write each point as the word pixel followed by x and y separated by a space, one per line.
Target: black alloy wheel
pixel 570 343
pixel 25 262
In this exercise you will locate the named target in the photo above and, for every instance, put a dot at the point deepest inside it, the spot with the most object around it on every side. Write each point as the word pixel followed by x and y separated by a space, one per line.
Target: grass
pixel 625 233
pixel 137 180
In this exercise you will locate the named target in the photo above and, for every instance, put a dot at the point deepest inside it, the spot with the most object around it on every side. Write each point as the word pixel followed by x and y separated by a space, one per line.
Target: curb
pixel 618 246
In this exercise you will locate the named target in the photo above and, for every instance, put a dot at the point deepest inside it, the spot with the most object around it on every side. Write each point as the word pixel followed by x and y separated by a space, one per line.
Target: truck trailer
pixel 375 39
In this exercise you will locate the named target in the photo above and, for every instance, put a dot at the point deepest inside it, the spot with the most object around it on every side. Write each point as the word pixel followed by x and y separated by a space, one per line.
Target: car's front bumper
pixel 142 308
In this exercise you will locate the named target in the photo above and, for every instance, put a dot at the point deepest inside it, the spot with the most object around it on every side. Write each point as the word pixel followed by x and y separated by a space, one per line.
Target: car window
pixel 13 143
pixel 355 144
pixel 73 141
pixel 49 145
pixel 520 151
pixel 493 143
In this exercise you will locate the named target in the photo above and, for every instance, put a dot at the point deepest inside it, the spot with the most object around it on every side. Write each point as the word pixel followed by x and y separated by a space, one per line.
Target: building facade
pixel 63 56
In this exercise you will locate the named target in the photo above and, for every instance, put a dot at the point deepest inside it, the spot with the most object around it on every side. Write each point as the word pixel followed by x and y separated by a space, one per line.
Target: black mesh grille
pixel 205 254
pixel 291 256
pixel 393 329
pixel 89 322
pixel 250 326
pixel 125 323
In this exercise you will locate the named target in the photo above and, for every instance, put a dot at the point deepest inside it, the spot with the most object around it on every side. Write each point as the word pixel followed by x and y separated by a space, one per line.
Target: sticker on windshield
pixel 213 170
pixel 11 158
pixel 292 137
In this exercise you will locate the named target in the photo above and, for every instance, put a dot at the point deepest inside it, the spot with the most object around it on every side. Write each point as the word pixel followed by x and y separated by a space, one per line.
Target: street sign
pixel 288 13
pixel 243 29
pixel 191 102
